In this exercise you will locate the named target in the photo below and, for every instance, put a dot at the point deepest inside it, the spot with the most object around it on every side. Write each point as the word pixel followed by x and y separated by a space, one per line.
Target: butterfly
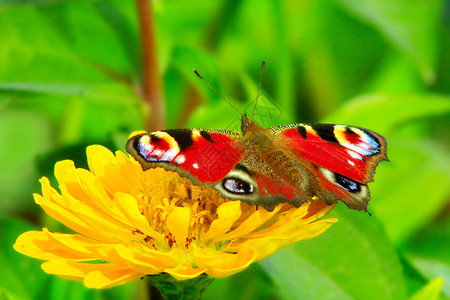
pixel 294 163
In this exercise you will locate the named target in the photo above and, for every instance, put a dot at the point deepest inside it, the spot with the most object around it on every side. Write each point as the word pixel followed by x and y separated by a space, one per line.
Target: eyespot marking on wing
pixel 347 184
pixel 359 193
pixel 157 146
pixel 357 140
pixel 238 184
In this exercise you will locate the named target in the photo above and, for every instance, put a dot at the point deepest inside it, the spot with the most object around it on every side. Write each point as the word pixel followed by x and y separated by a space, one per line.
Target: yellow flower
pixel 131 223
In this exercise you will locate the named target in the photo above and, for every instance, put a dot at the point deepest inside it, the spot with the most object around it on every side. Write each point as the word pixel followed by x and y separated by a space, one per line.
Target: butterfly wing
pixel 343 158
pixel 332 162
pixel 204 156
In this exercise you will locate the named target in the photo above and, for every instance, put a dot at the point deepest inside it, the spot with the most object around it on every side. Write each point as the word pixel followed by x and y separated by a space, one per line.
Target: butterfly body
pixel 292 163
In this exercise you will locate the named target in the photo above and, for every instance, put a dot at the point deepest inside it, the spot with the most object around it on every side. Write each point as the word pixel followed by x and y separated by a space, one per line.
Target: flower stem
pixel 151 78
pixel 171 288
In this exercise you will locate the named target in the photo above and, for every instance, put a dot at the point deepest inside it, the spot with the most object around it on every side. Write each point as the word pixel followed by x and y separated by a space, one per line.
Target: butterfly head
pixel 248 125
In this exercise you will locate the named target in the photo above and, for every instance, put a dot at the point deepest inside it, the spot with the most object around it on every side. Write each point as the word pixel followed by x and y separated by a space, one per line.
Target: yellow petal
pixel 104 165
pixel 103 223
pixel 178 223
pixel 95 275
pixel 108 279
pixel 148 261
pixel 287 222
pixel 268 245
pixel 219 264
pixel 131 170
pixel 65 173
pixel 54 210
pixel 227 214
pixel 185 271
pixel 128 206
pixel 73 243
pixel 317 209
pixel 40 244
pixel 255 220
pixel 312 230
pixel 96 193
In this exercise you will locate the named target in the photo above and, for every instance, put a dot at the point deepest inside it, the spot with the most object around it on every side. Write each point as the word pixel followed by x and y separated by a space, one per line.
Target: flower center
pixel 158 202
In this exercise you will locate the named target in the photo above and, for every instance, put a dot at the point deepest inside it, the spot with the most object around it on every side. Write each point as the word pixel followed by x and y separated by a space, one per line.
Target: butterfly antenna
pixel 259 87
pixel 207 83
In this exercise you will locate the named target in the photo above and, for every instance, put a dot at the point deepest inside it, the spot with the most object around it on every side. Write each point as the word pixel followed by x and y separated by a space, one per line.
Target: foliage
pixel 70 76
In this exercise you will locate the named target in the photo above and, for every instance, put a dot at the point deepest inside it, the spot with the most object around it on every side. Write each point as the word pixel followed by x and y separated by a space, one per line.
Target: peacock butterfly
pixel 288 163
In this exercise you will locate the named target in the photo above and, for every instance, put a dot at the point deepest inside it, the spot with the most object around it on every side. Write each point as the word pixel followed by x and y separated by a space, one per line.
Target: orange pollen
pixel 136 231
pixel 189 241
pixel 170 239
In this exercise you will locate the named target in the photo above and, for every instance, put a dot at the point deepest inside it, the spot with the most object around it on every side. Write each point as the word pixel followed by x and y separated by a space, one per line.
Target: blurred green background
pixel 70 76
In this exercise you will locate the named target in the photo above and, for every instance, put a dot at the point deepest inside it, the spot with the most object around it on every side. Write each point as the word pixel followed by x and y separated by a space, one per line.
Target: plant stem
pixel 171 289
pixel 151 78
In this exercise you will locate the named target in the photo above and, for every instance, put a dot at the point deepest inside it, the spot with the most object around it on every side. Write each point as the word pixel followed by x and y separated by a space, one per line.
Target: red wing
pixel 205 156
pixel 350 151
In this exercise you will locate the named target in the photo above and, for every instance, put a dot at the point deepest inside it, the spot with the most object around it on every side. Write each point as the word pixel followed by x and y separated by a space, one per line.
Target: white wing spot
pixel 354 154
pixel 180 159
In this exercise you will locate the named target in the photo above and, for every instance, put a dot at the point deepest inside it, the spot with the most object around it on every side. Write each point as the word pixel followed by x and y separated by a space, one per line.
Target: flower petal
pixel 108 279
pixel 317 209
pixel 131 170
pixel 94 275
pixel 185 271
pixel 227 214
pixel 51 202
pixel 104 165
pixel 255 220
pixel 148 261
pixel 178 223
pixel 268 245
pixel 46 245
pixel 106 224
pixel 220 264
pixel 288 221
pixel 129 208
pixel 65 173
pixel 97 195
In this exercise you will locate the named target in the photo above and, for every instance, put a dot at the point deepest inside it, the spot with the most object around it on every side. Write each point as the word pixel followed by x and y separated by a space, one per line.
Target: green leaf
pixel 27 55
pixel 409 25
pixel 432 268
pixel 370 110
pixel 89 112
pixel 23 135
pixel 99 33
pixel 414 185
pixel 427 251
pixel 223 116
pixel 21 277
pixel 252 283
pixel 395 75
pixel 429 292
pixel 341 263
